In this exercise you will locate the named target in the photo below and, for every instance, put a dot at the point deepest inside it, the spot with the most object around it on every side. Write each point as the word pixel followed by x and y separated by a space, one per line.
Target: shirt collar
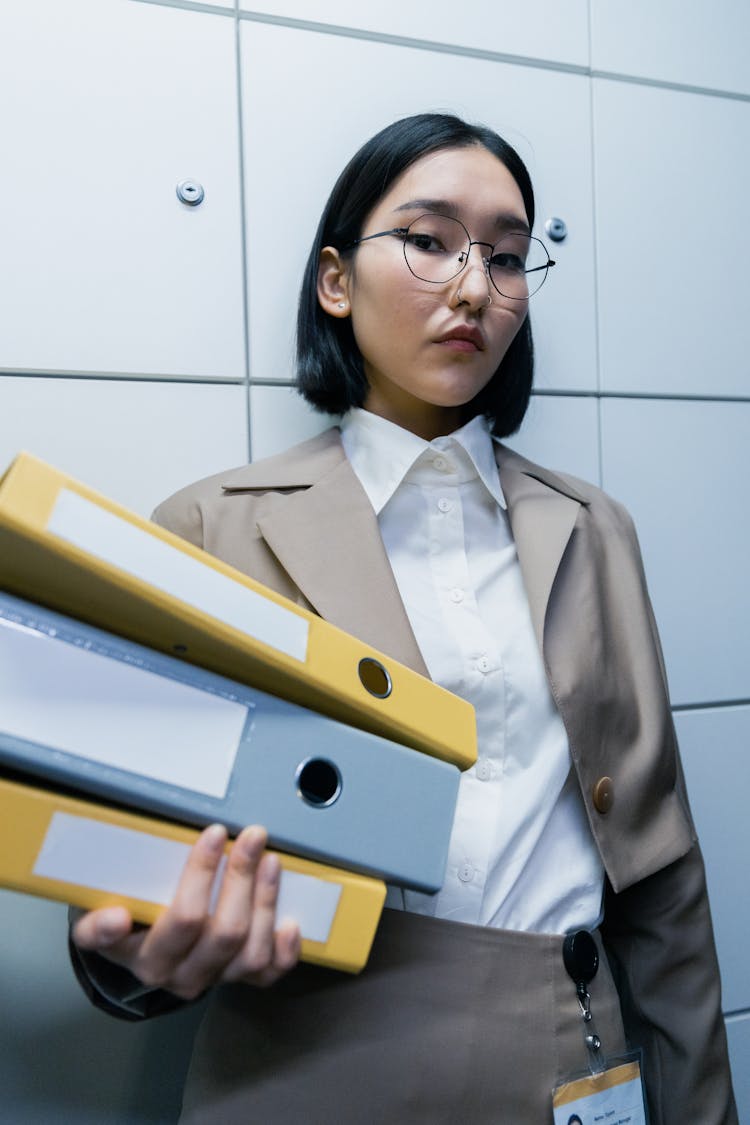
pixel 382 453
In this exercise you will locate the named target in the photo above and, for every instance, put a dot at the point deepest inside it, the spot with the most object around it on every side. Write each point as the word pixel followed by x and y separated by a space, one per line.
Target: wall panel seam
pixel 737 1016
pixel 243 234
pixel 123 377
pixel 195 6
pixel 709 705
pixel 453 49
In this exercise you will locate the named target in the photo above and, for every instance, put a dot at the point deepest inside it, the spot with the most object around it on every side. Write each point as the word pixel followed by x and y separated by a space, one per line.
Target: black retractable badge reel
pixel 611 1089
pixel 581 960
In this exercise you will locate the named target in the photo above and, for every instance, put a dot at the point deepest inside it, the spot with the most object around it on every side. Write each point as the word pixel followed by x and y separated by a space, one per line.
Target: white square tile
pixel 135 441
pixel 682 468
pixel 715 746
pixel 104 269
pixel 738 1034
pixel 280 418
pixel 562 433
pixel 672 173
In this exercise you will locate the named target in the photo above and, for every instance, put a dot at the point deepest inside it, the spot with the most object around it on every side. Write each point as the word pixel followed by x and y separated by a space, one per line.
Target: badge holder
pixel 611 1090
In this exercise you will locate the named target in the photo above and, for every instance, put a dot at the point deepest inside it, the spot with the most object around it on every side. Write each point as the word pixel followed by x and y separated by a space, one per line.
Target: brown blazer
pixel 301 523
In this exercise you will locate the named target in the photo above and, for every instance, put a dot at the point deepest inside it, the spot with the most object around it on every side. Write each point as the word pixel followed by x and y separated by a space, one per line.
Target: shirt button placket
pixel 484 769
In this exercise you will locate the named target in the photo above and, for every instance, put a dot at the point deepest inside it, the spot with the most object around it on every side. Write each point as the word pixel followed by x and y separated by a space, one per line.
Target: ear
pixel 333 283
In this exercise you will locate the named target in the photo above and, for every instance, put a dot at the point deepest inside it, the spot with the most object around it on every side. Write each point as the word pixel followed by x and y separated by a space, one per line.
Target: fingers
pixel 286 952
pixel 170 941
pixel 190 947
pixel 227 930
pixel 257 952
pixel 267 952
pixel 101 930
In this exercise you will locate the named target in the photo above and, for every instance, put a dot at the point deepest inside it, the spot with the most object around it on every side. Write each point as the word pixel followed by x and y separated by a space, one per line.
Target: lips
pixel 464 337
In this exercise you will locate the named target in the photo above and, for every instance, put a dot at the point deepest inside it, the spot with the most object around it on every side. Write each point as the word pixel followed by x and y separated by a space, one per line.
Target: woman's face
pixel 420 373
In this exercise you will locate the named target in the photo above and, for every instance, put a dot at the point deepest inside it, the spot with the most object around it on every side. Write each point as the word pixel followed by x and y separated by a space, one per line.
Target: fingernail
pixel 214 838
pixel 108 933
pixel 252 841
pixel 271 869
pixel 292 935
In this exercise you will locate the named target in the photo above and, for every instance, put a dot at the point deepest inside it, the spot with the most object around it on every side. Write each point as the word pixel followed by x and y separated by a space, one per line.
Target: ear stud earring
pixel 342 304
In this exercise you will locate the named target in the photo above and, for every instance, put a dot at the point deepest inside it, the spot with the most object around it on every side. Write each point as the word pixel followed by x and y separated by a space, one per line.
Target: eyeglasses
pixel 437 248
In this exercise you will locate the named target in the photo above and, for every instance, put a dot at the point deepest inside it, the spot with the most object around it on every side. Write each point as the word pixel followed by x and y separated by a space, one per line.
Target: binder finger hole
pixel 318 782
pixel 375 678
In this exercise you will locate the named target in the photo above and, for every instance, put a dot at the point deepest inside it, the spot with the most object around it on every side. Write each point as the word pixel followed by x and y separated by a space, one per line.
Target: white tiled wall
pixel 562 433
pixel 104 269
pixel 682 469
pixel 714 744
pixel 61 1060
pixel 671 182
pixel 738 1034
pixel 703 43
pixel 541 29
pixel 135 441
pixel 279 418
pixel 634 118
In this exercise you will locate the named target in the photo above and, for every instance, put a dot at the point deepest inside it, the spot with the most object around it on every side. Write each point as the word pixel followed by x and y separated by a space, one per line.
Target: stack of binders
pixel 353 761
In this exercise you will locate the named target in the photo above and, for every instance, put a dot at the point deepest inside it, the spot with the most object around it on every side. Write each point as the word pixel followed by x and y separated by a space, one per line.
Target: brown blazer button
pixel 604 794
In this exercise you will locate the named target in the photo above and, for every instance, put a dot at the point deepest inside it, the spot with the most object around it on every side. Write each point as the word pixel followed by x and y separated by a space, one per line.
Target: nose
pixel 473 282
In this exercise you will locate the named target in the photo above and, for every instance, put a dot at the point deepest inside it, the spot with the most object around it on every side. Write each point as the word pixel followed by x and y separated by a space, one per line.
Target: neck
pixel 424 419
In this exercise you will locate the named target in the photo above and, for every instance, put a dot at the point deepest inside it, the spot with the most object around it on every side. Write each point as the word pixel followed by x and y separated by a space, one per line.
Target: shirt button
pixel 444 504
pixel 466 872
pixel 443 464
pixel 484 769
pixel 484 664
pixel 457 595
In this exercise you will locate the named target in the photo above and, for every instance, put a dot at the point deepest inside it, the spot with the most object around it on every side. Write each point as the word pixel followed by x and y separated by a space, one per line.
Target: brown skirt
pixel 447 1024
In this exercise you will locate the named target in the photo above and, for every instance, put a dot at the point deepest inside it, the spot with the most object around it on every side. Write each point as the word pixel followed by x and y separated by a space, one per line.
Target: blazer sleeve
pixel 660 942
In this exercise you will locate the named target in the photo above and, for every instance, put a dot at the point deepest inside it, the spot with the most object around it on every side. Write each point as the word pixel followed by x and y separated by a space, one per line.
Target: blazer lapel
pixel 327 539
pixel 325 535
pixel 543 509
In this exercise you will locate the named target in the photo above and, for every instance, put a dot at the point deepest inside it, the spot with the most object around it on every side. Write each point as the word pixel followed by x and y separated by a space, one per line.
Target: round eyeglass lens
pixel 435 247
pixel 518 266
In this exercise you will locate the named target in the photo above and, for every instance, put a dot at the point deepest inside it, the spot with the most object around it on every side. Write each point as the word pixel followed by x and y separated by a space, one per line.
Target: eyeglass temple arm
pixel 535 269
pixel 380 234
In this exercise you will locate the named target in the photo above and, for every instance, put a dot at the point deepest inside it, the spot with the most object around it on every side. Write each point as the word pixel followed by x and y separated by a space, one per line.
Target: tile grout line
pixel 243 233
pixel 451 48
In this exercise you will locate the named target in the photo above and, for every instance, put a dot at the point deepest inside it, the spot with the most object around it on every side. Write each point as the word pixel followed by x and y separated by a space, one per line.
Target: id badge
pixel 612 1096
pixel 611 1091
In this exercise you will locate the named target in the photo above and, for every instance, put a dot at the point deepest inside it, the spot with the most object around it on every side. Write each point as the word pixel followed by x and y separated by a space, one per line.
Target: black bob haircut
pixel 330 372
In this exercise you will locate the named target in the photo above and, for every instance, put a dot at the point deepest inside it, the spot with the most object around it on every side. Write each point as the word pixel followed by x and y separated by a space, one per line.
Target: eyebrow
pixel 504 221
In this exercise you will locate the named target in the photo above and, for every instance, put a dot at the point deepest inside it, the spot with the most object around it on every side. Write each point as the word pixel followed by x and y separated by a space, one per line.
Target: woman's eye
pixel 429 242
pixel 510 263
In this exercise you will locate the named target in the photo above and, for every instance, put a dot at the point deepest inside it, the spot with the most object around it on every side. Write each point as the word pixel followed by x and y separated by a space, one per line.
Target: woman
pixel 518 588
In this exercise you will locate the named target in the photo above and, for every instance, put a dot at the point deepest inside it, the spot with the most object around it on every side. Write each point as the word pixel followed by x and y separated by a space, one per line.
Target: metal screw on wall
pixel 557 229
pixel 190 192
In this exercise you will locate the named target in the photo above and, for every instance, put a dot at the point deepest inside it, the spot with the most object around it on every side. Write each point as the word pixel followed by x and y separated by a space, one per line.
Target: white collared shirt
pixel 522 856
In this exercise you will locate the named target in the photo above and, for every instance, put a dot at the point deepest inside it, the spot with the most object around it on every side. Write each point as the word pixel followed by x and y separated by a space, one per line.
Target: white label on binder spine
pixel 115 714
pixel 121 544
pixel 124 861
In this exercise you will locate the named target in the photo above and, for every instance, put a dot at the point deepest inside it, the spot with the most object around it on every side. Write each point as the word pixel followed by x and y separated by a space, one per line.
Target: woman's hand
pixel 187 949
